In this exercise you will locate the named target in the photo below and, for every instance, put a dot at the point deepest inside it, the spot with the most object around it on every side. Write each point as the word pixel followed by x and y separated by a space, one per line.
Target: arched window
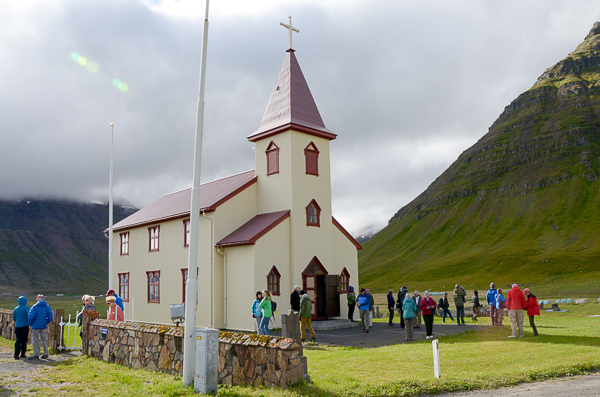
pixel 272 159
pixel 273 281
pixel 313 214
pixel 311 154
pixel 344 281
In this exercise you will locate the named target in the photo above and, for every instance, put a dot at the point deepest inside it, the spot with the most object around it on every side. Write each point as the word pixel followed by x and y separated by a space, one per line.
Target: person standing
pixel 306 317
pixel 490 298
pixel 267 312
pixel 19 316
pixel 295 299
pixel 409 309
pixel 351 297
pixel 459 302
pixel 516 304
pixel 118 300
pixel 428 308
pixel 399 302
pixel 362 301
pixel 475 305
pixel 445 306
pixel 257 311
pixel 40 315
pixel 533 309
pixel 391 306
pixel 500 306
pixel 114 311
pixel 417 298
pixel 371 307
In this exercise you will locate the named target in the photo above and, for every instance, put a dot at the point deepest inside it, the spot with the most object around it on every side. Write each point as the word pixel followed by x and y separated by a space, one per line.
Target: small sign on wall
pixel 104 331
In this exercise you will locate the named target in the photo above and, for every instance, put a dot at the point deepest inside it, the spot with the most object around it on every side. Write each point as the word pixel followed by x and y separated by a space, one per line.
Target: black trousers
pixel 532 323
pixel 402 318
pixel 428 319
pixel 21 335
pixel 391 315
pixel 351 312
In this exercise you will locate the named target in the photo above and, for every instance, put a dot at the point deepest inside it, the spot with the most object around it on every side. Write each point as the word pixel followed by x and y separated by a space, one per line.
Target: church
pixel 271 227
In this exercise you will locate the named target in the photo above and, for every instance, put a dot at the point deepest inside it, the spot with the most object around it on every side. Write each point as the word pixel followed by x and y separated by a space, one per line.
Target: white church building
pixel 271 227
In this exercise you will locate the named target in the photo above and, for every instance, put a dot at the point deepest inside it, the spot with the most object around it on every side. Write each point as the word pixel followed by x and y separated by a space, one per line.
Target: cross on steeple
pixel 290 28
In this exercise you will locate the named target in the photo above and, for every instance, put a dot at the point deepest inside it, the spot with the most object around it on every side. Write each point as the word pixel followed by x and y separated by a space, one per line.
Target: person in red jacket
pixel 533 309
pixel 516 304
pixel 427 306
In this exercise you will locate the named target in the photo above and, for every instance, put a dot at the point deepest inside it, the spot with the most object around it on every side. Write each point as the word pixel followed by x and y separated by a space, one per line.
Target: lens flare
pixel 123 87
pixel 116 82
pixel 82 61
pixel 93 67
pixel 74 56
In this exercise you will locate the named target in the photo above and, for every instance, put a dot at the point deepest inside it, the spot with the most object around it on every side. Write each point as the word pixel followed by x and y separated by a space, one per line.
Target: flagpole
pixel 110 212
pixel 191 293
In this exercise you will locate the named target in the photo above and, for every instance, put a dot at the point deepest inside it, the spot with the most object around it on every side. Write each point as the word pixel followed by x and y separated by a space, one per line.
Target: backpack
pixel 351 299
pixel 274 306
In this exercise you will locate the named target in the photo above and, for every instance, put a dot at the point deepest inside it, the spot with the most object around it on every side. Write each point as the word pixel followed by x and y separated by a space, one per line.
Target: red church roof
pixel 254 229
pixel 178 204
pixel 291 105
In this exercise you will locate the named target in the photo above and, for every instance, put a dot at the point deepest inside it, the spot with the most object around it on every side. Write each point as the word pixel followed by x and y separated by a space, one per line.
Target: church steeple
pixel 291 105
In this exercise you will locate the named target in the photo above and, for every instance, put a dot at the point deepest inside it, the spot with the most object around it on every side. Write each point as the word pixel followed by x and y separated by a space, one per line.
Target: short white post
pixel 436 358
pixel 207 360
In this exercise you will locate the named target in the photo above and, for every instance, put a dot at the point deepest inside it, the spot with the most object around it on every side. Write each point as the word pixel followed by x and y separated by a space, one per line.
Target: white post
pixel 110 211
pixel 436 358
pixel 191 293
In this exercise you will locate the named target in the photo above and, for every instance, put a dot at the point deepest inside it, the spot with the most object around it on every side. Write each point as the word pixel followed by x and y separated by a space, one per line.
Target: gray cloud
pixel 407 87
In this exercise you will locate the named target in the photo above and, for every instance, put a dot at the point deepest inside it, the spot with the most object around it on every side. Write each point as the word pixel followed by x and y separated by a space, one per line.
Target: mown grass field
pixel 569 343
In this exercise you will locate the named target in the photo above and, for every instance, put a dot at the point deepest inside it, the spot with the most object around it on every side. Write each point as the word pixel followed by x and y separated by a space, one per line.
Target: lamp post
pixel 110 211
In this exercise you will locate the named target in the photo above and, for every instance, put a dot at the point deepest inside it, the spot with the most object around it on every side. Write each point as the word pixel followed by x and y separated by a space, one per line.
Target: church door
pixel 333 295
pixel 322 288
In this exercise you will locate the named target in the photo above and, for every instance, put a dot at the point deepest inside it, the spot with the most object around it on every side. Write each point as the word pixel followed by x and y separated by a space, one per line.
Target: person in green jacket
pixel 265 305
pixel 306 317
pixel 409 309
pixel 459 302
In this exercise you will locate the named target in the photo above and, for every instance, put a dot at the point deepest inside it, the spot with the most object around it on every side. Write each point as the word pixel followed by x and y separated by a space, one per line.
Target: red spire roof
pixel 291 105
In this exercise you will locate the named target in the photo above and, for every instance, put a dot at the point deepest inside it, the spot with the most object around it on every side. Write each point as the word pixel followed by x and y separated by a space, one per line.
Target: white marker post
pixel 436 358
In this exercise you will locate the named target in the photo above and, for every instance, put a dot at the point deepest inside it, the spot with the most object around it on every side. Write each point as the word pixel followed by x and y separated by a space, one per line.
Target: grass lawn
pixel 569 344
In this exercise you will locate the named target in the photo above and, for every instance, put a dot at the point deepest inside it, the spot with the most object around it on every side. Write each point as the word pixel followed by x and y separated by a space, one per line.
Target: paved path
pixel 577 386
pixel 381 334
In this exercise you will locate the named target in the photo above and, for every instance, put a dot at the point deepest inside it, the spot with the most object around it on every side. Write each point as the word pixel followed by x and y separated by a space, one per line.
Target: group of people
pixel 412 308
pixel 516 302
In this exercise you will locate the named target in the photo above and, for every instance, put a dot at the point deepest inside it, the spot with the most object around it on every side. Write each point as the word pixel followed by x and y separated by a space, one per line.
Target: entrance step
pixel 328 325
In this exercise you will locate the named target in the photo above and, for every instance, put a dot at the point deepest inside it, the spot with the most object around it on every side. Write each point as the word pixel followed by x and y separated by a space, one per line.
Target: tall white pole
pixel 191 293
pixel 110 212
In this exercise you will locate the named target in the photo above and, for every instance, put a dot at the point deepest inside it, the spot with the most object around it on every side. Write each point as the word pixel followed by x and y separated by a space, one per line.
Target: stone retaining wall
pixel 7 327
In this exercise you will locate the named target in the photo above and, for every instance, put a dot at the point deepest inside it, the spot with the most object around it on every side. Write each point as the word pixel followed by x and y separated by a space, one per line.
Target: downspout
pixel 212 265
pixel 224 286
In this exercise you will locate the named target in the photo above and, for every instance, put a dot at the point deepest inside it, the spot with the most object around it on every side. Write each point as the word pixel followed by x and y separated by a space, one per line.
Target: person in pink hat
pixel 516 304
pixel 533 309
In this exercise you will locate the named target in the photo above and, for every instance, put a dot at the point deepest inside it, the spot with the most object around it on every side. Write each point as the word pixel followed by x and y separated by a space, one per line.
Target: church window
pixel 344 281
pixel 153 286
pixel 153 233
pixel 186 233
pixel 313 214
pixel 273 281
pixel 311 154
pixel 184 280
pixel 272 159
pixel 124 243
pixel 124 286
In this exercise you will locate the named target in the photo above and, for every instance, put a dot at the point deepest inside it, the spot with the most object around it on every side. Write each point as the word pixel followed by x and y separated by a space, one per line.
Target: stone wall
pixel 7 327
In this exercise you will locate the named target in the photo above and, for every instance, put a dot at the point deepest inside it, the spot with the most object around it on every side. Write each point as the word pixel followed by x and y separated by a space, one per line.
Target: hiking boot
pixel 16 357
pixel 33 357
pixel 313 340
pixel 45 356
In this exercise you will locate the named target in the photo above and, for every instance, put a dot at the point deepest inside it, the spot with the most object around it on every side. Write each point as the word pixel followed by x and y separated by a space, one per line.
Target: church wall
pixel 275 190
pixel 345 255
pixel 240 287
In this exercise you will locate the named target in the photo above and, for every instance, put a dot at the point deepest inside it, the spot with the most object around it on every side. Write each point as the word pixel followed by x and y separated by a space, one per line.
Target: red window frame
pixel 186 232
pixel 124 238
pixel 311 154
pixel 184 273
pixel 313 214
pixel 344 281
pixel 124 286
pixel 153 238
pixel 272 153
pixel 153 282
pixel 274 281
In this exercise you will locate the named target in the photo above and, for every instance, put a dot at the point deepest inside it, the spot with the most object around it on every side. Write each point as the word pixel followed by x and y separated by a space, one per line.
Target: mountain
pixel 521 205
pixel 54 246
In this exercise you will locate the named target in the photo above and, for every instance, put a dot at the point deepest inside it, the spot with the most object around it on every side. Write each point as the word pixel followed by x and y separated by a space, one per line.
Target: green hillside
pixel 521 205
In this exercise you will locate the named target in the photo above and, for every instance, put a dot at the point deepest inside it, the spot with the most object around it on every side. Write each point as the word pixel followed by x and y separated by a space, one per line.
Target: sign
pixel 104 331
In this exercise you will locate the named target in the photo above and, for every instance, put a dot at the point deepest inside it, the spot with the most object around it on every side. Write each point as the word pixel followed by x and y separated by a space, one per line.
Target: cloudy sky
pixel 406 85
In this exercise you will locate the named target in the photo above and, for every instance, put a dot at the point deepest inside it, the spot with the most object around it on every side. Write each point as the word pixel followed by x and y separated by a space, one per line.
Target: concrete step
pixel 327 325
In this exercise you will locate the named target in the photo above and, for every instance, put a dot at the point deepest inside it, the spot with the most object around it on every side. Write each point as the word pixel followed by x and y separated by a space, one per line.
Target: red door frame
pixel 309 284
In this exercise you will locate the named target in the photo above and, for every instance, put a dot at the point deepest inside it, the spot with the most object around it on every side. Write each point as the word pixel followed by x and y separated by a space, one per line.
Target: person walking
pixel 39 316
pixel 459 302
pixel 428 308
pixel 500 306
pixel 362 301
pixel 371 307
pixel 445 306
pixel 391 306
pixel 114 311
pixel 351 297
pixel 417 298
pixel 295 299
pixel 118 300
pixel 267 312
pixel 19 316
pixel 409 309
pixel 306 317
pixel 533 309
pixel 399 302
pixel 257 312
pixel 490 298
pixel 516 304
pixel 475 305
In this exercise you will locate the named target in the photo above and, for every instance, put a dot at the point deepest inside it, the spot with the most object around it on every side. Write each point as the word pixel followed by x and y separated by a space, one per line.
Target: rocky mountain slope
pixel 522 204
pixel 54 246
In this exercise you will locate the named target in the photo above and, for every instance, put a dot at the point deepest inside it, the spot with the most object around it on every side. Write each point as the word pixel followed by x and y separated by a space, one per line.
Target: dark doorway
pixel 323 290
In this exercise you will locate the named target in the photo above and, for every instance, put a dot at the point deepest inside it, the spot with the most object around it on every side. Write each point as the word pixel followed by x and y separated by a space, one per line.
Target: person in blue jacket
pixel 362 301
pixel 40 315
pixel 490 298
pixel 409 308
pixel 119 301
pixel 257 311
pixel 21 327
